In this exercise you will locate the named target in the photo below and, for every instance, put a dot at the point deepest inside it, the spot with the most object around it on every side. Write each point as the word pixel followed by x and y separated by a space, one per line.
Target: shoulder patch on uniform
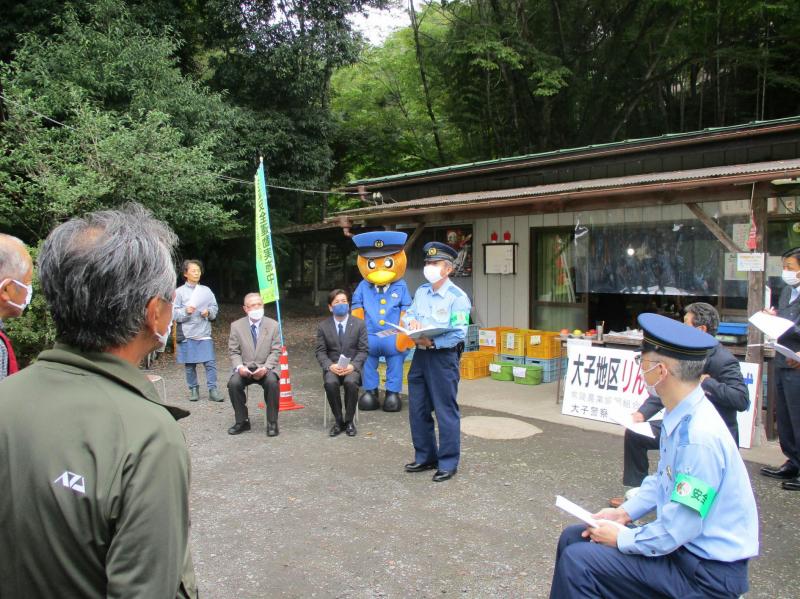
pixel 455 291
pixel 683 431
pixel 693 493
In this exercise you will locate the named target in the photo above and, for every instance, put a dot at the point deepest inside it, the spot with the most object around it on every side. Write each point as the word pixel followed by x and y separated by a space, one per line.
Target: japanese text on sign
pixel 600 380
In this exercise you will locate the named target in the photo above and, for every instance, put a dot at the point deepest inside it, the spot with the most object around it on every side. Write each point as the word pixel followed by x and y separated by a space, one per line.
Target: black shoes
pixel 350 429
pixel 272 429
pixel 336 430
pixel 443 475
pixel 414 467
pixel 784 472
pixel 791 485
pixel 391 402
pixel 239 427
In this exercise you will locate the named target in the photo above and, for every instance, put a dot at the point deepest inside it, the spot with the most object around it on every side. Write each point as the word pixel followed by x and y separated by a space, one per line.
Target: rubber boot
pixel 194 393
pixel 369 400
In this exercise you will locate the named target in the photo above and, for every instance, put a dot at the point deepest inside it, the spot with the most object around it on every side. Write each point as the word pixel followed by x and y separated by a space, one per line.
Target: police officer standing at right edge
pixel 434 375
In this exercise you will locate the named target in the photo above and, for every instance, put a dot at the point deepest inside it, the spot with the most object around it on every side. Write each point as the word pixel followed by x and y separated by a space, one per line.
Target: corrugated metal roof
pixel 777 167
pixel 712 131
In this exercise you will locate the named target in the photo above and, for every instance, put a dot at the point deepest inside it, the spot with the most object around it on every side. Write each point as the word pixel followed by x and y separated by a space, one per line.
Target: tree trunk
pixel 423 76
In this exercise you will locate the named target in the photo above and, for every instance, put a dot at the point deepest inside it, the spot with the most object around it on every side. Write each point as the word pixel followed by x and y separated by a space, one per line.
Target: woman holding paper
pixel 194 309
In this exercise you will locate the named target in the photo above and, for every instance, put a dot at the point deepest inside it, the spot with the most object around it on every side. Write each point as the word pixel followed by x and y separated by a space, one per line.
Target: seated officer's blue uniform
pixel 706 527
pixel 434 374
pixel 381 304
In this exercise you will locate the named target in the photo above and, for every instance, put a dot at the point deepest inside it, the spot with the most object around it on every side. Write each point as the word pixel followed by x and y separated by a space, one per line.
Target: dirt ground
pixel 306 515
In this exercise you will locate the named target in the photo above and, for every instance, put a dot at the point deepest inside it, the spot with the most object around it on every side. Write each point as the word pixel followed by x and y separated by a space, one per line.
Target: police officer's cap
pixel 379 243
pixel 674 339
pixel 435 250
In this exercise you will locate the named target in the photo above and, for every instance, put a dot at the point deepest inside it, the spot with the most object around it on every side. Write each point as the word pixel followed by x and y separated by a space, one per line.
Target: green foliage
pixel 135 129
pixel 34 330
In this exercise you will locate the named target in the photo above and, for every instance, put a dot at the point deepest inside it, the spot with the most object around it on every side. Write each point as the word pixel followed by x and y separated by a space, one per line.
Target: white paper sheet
pixel 429 332
pixel 782 349
pixel 771 326
pixel 201 298
pixel 625 418
pixel 580 513
pixel 343 362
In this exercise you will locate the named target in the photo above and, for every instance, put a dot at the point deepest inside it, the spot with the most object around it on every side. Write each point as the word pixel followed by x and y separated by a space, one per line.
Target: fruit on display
pixel 577 332
pixel 565 331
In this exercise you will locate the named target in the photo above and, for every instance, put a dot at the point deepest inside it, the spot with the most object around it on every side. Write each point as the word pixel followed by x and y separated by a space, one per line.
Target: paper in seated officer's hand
pixel 609 521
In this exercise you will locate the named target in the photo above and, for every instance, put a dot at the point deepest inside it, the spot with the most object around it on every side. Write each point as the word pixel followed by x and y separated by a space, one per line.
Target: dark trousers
pixel 433 387
pixel 269 383
pixel 635 461
pixel 350 382
pixel 787 410
pixel 585 570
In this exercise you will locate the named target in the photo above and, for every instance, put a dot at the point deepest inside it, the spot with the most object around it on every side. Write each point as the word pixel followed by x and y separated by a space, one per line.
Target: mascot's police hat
pixel 376 244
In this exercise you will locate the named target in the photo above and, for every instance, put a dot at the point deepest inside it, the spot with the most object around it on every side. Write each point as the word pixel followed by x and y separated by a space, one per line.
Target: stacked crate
pixel 475 365
pixel 551 369
pixel 471 342
pixel 489 339
pixel 501 371
pixel 543 348
pixel 512 345
pixel 528 375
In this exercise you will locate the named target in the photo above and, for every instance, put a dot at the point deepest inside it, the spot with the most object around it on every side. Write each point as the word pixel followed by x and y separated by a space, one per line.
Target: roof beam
pixel 715 229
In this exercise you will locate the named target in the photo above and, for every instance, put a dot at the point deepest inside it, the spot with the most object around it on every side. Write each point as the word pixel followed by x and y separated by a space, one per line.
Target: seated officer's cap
pixel 439 251
pixel 674 339
pixel 376 244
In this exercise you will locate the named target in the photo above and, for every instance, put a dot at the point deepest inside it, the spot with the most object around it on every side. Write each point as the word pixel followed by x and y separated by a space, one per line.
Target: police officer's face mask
pixel 28 295
pixel 651 389
pixel 433 273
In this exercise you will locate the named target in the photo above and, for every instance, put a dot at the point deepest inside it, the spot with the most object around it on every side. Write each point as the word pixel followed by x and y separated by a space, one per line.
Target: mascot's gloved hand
pixel 404 342
pixel 358 313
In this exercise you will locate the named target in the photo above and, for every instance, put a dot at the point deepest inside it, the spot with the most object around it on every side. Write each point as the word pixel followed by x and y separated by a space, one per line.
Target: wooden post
pixel 755 302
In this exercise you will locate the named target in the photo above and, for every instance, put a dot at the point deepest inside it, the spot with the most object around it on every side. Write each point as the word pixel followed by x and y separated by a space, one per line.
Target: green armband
pixel 693 493
pixel 459 318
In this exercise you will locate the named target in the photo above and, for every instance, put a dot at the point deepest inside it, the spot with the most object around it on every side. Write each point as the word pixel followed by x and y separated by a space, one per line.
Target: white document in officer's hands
pixel 343 362
pixel 785 351
pixel 625 418
pixel 580 513
pixel 429 332
pixel 771 326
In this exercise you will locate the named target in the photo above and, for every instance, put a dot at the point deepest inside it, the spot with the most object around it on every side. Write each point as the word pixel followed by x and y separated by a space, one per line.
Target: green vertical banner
pixel 265 259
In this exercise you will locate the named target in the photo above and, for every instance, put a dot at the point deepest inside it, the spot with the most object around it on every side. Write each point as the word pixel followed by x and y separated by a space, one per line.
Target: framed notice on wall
pixel 499 258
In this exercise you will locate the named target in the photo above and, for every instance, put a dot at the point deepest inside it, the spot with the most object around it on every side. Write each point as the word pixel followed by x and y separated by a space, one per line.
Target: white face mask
pixel 432 273
pixel 162 338
pixel 256 314
pixel 790 277
pixel 651 389
pixel 28 296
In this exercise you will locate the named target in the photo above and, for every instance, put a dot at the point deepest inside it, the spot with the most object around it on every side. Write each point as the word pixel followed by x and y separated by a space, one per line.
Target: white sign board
pixel 750 262
pixel 487 338
pixel 752 378
pixel 601 382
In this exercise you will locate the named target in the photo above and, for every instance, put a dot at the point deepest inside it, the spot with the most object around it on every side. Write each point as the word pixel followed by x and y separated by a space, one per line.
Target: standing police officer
pixel 434 375
pixel 706 525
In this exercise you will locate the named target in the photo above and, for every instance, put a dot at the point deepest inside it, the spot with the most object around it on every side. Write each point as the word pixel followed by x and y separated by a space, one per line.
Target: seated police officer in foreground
pixel 706 526
pixel 339 336
pixel 722 382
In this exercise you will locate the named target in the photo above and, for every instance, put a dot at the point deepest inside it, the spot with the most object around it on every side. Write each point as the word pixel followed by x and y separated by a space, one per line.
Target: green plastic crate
pixel 505 373
pixel 533 375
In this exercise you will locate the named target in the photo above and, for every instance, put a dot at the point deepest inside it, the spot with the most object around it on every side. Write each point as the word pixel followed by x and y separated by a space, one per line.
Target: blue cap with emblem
pixel 674 339
pixel 379 243
pixel 435 250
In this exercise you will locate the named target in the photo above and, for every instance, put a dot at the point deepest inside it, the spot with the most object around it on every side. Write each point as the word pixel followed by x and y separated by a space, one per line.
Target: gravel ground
pixel 304 515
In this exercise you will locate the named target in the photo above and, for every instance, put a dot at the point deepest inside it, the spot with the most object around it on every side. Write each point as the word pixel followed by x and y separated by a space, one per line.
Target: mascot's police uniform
pixel 380 298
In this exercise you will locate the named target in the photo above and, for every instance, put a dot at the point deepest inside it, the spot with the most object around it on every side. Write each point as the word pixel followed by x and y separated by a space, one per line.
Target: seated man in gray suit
pixel 255 350
pixel 341 336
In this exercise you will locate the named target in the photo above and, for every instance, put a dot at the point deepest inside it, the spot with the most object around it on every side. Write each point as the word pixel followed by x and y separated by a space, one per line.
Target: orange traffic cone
pixel 286 402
